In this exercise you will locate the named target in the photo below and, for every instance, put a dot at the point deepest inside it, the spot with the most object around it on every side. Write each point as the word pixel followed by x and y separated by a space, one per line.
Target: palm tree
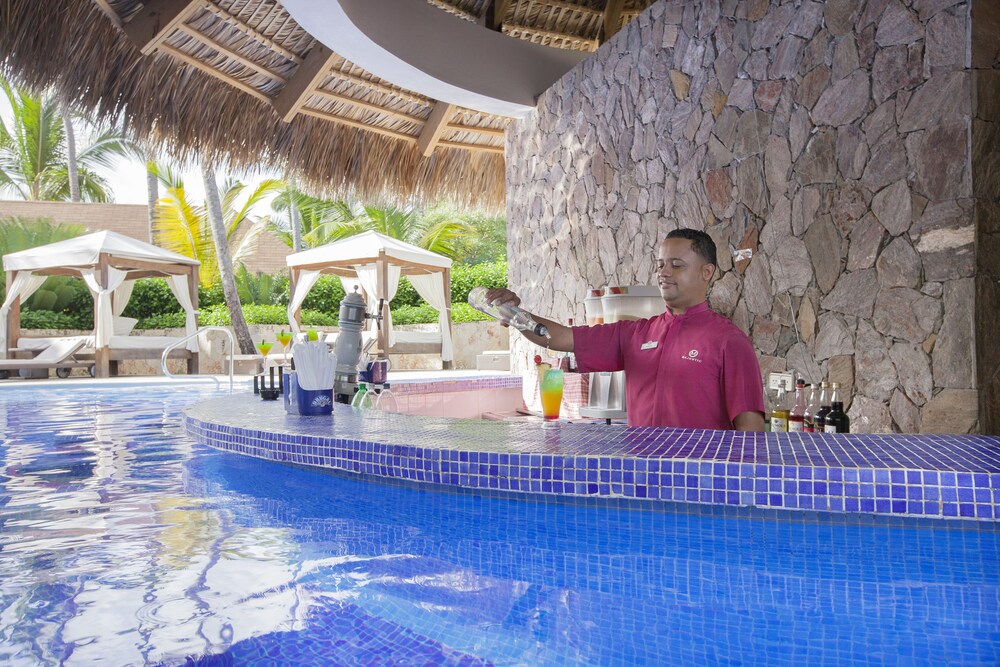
pixel 35 153
pixel 326 221
pixel 186 228
pixel 220 232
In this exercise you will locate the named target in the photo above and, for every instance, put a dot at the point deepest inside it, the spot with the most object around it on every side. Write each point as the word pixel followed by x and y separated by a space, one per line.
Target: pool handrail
pixel 178 343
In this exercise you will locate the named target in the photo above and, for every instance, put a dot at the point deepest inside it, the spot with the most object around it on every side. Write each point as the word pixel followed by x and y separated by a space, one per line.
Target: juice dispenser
pixel 606 399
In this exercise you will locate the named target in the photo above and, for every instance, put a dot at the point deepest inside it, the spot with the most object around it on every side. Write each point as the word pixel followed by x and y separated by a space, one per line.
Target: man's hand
pixel 500 296
pixel 561 337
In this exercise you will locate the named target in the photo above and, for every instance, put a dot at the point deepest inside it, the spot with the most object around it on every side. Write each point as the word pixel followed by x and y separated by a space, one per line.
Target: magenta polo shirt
pixel 696 370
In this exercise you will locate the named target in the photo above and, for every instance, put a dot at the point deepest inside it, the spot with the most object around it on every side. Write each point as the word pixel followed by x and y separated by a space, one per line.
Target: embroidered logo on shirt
pixel 691 356
pixel 649 345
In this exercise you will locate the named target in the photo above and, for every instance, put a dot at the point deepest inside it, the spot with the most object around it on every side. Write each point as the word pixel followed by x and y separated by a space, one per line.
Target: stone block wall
pixel 831 139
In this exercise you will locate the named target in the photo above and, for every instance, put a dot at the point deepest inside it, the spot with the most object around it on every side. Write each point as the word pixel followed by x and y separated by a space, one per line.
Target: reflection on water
pixel 125 544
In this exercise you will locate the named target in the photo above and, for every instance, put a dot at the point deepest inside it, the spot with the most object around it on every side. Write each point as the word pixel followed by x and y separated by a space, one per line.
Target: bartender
pixel 689 367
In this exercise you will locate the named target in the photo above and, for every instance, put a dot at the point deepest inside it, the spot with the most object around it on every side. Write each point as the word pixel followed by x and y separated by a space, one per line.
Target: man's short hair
pixel 701 243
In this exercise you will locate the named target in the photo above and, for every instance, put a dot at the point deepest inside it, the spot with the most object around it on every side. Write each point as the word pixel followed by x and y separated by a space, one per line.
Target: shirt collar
pixel 693 310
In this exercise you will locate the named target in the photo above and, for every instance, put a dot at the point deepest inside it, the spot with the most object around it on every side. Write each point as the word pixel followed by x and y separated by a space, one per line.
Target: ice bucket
pixel 299 401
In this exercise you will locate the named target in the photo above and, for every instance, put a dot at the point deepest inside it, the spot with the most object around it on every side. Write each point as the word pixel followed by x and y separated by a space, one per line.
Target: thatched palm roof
pixel 241 81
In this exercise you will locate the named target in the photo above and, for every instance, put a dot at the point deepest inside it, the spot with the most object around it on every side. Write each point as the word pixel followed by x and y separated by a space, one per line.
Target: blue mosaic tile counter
pixel 948 476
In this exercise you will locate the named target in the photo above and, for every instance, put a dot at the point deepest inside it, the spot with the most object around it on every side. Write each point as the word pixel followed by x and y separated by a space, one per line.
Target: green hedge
pixel 154 305
pixel 46 319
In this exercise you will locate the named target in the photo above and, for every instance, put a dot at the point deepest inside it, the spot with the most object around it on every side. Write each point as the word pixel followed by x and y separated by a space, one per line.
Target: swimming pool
pixel 122 541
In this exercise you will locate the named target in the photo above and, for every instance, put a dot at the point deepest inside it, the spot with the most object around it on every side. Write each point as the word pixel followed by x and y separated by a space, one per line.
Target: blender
pixel 606 398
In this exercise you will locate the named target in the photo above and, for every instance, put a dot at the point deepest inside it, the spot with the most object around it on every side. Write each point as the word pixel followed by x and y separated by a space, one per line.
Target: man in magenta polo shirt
pixel 689 367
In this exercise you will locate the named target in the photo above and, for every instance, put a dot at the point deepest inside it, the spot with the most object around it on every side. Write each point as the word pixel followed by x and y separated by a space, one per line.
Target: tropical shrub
pixel 46 319
pixel 325 295
pixel 270 314
pixel 259 288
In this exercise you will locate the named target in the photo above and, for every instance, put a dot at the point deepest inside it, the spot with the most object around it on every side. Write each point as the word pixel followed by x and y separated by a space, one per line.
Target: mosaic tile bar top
pixel 952 476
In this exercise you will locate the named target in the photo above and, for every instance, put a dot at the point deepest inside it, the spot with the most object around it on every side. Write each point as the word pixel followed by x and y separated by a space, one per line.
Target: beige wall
pixel 131 220
pixel 830 139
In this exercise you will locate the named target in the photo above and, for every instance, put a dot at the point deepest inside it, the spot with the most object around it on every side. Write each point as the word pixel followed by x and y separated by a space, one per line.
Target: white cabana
pixel 109 263
pixel 376 262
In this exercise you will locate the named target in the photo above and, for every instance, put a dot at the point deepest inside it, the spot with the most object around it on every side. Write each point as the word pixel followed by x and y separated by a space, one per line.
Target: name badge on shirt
pixel 649 345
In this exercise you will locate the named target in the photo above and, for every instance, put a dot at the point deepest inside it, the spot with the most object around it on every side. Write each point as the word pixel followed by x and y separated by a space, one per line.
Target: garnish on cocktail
pixel 284 338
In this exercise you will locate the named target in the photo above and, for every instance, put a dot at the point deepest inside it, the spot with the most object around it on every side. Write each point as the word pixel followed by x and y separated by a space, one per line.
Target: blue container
pixel 299 401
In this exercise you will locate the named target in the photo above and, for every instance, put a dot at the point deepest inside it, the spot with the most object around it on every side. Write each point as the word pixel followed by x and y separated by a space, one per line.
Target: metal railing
pixel 178 343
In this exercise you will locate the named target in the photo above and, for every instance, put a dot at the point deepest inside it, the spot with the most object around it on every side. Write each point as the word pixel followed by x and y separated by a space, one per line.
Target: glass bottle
pixel 779 414
pixel 819 421
pixel 359 395
pixel 512 315
pixel 837 420
pixel 386 400
pixel 796 416
pixel 812 407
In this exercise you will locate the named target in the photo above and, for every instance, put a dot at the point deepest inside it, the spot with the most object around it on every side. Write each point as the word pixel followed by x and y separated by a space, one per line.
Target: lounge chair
pixel 58 355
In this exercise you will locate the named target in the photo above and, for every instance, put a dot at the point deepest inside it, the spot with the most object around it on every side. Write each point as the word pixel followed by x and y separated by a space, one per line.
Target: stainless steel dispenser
pixel 349 345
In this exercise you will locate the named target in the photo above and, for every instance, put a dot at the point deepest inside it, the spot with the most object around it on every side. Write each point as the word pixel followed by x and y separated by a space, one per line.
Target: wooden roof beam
pixel 157 20
pixel 367 106
pixel 496 11
pixel 246 29
pixel 612 19
pixel 434 128
pixel 304 81
pixel 211 71
pixel 224 50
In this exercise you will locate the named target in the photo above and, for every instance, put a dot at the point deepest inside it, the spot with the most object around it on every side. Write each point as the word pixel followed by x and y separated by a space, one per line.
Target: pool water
pixel 124 543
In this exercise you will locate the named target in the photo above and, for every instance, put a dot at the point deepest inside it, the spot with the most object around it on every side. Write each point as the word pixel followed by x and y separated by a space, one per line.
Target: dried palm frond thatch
pixel 197 111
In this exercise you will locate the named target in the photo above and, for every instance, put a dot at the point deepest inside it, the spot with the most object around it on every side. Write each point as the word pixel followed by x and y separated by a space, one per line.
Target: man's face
pixel 682 274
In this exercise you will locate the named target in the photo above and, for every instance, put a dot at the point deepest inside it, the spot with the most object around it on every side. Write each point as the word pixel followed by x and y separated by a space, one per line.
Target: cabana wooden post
pixel 99 254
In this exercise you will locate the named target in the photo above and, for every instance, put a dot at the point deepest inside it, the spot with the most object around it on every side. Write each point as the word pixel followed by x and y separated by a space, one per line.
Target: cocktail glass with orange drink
pixel 284 338
pixel 551 391
pixel 264 347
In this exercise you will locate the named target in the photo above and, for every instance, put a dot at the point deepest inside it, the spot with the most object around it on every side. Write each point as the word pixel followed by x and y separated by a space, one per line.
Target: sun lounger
pixel 58 355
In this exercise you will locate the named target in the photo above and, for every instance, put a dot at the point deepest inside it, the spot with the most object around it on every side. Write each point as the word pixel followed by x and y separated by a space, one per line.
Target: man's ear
pixel 707 272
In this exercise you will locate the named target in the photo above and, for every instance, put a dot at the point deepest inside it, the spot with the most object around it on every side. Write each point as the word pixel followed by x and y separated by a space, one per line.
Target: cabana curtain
pixel 302 286
pixel 121 296
pixel 24 285
pixel 104 326
pixel 179 287
pixel 368 277
pixel 429 289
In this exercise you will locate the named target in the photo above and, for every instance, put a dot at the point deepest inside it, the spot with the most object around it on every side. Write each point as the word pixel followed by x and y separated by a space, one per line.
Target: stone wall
pixel 831 139
pixel 131 220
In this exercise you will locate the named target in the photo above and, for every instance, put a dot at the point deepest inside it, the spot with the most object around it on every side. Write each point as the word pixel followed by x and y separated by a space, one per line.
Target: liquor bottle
pixel 779 414
pixel 511 315
pixel 819 420
pixel 796 416
pixel 837 420
pixel 812 407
